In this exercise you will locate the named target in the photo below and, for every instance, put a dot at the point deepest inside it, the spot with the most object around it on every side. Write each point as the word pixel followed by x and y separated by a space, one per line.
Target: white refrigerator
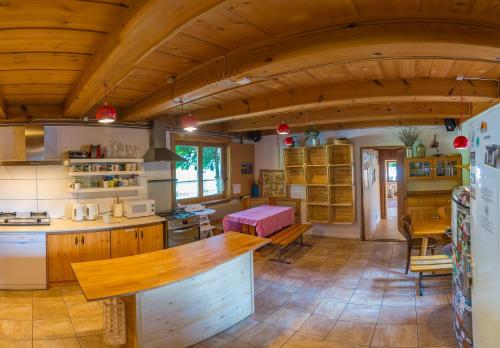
pixel 484 153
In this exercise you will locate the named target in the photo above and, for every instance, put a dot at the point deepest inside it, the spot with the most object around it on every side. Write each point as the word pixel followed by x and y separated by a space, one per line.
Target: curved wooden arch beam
pixel 334 45
pixel 147 25
pixel 349 114
pixel 351 93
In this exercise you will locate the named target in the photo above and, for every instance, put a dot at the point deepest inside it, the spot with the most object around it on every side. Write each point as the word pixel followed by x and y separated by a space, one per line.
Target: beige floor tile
pixel 15 329
pixel 20 297
pixel 88 325
pixel 317 325
pixel 94 341
pixel 330 308
pixel 372 284
pixel 433 314
pixel 266 335
pixel 49 294
pixel 398 299
pixel 78 310
pixel 339 294
pixel 49 310
pixel 347 282
pixel 241 327
pixel 57 343
pixel 302 302
pixel 395 336
pixel 50 329
pixel 16 311
pixel 287 318
pixel 348 332
pixel 367 297
pixel 360 313
pixel 262 310
pixel 432 299
pixel 15 343
pixel 436 334
pixel 401 315
pixel 306 341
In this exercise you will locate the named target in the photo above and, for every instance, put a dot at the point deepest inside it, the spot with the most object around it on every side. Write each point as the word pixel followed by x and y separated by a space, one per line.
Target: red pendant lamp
pixel 461 142
pixel 106 113
pixel 283 128
pixel 189 123
pixel 288 141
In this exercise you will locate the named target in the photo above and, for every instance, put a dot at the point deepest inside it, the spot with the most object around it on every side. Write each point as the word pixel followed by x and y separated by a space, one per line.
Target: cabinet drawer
pixel 420 201
pixel 442 201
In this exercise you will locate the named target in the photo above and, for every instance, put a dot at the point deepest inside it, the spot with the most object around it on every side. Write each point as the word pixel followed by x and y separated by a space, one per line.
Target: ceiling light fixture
pixel 106 113
pixel 283 129
pixel 189 123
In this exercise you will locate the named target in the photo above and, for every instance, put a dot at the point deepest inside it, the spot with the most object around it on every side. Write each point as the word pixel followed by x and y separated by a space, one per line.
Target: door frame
pixel 373 147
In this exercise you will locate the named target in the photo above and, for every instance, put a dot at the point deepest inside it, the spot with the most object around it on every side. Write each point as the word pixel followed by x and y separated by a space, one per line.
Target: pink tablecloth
pixel 267 219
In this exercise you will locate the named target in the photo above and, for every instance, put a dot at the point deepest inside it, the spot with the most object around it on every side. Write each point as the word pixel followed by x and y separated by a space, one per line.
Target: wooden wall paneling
pixel 25 77
pixel 186 46
pixel 37 99
pixel 34 88
pixel 238 154
pixel 166 62
pixel 226 299
pixel 45 60
pixel 146 26
pixel 40 111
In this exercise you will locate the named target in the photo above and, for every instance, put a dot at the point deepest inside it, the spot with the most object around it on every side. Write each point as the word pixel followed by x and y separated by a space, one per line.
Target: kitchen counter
pixel 180 296
pixel 68 225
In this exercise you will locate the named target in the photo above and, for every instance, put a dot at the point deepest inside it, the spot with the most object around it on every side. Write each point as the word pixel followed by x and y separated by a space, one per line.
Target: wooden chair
pixel 413 243
pixel 436 265
pixel 253 202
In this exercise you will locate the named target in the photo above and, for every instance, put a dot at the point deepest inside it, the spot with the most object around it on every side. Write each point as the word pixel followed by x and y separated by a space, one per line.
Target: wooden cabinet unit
pixel 434 168
pixel 150 238
pixel 425 205
pixel 328 173
pixel 63 249
pixel 133 241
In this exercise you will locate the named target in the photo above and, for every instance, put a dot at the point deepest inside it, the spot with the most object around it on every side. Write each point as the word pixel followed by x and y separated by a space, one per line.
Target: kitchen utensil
pixel 118 210
pixel 78 212
pixel 92 210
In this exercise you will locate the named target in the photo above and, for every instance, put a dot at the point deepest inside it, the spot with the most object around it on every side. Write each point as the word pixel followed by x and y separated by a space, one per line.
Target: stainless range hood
pixel 34 154
pixel 158 151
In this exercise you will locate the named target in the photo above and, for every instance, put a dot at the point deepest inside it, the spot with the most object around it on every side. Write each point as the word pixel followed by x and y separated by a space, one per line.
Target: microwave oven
pixel 139 208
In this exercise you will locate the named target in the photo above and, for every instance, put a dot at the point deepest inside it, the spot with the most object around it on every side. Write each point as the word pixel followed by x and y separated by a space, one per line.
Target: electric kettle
pixel 92 210
pixel 78 212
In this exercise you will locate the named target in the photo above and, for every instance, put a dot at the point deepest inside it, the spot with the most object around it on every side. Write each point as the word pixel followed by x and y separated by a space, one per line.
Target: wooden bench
pixel 287 236
pixel 438 265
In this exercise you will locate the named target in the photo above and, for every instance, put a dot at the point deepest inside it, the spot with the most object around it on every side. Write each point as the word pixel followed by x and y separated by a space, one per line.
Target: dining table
pixel 429 228
pixel 262 221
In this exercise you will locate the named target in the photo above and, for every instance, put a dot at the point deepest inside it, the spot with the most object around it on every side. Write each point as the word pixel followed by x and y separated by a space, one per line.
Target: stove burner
pixel 7 214
pixel 24 218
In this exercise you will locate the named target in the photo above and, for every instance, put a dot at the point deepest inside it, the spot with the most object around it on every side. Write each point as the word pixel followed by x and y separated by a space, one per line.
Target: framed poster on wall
pixel 273 183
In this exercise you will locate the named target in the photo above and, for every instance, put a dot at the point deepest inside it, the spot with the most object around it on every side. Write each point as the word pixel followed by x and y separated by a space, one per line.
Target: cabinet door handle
pixel 76 240
pixel 135 234
pixel 83 240
pixel 142 234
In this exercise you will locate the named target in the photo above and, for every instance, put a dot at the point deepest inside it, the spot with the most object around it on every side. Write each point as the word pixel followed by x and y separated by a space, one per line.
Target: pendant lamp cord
pixel 461 107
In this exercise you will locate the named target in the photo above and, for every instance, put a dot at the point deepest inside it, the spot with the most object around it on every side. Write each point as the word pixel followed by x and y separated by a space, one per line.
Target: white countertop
pixel 68 225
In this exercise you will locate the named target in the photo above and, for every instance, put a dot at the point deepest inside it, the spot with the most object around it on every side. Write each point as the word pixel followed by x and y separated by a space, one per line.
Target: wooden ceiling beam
pixel 147 25
pixel 351 93
pixel 349 114
pixel 337 45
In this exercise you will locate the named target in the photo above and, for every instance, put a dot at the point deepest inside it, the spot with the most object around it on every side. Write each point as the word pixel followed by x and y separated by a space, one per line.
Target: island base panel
pixel 189 311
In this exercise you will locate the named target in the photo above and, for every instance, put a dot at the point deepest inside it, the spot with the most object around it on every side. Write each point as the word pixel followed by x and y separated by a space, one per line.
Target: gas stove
pixel 24 218
pixel 179 218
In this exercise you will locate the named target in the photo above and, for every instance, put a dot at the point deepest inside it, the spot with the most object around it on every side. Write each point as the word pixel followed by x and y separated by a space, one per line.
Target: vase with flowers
pixel 312 136
pixel 408 136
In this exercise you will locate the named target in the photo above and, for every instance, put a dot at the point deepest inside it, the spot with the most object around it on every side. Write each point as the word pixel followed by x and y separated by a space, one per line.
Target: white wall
pixel 29 188
pixel 371 199
pixel 266 156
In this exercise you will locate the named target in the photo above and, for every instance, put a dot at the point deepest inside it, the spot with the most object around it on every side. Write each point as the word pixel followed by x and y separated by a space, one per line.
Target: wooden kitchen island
pixel 180 296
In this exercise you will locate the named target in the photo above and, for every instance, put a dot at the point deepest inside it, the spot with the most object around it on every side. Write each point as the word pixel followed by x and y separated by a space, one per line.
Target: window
pixel 392 174
pixel 202 176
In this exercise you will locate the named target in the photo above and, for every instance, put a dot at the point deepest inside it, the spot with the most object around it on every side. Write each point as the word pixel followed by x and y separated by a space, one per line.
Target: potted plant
pixel 408 136
pixel 312 136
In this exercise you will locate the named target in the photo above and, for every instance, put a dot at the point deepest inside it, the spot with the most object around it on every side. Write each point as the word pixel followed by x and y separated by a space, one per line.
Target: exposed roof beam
pixel 329 46
pixel 147 25
pixel 351 93
pixel 349 114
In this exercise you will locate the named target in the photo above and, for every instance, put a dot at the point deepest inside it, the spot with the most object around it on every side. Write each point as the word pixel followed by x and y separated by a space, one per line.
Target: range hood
pixel 157 146
pixel 34 154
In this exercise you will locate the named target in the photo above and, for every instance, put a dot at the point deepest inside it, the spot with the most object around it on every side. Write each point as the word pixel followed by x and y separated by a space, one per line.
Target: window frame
pixel 200 146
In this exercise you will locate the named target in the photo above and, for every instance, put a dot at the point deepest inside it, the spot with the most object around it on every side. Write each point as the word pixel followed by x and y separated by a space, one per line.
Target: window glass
pixel 186 173
pixel 213 183
pixel 391 171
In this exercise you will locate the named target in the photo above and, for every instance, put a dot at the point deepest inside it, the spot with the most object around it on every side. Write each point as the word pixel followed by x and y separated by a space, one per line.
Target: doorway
pixel 382 173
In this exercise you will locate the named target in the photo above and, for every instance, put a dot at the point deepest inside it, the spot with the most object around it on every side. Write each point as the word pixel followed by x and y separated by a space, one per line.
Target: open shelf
pixel 315 155
pixel 295 176
pixel 342 215
pixel 317 194
pixel 340 154
pixel 105 160
pixel 341 175
pixel 316 175
pixel 107 189
pixel 119 172
pixel 318 213
pixel 294 156
pixel 342 195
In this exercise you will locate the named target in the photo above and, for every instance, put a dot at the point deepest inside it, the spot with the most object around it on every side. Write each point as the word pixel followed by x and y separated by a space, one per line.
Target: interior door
pixel 401 182
pixel 124 242
pixel 94 246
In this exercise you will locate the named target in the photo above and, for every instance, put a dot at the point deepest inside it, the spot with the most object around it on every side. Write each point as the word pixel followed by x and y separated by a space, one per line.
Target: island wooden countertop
pixel 129 275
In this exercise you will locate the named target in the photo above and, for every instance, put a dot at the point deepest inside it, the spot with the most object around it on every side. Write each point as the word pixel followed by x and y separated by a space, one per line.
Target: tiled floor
pixel 336 293
pixel 342 294
pixel 387 229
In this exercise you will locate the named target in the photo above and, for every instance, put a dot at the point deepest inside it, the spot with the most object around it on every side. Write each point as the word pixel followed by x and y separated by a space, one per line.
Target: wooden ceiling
pixel 242 65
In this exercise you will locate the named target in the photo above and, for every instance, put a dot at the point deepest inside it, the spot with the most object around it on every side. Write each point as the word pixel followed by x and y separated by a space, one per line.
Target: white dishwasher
pixel 23 261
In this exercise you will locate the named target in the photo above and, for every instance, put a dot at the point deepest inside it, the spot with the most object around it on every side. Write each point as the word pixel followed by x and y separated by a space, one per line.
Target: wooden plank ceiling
pixel 241 65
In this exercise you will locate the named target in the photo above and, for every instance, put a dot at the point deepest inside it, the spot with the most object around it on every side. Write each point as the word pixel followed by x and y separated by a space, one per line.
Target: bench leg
pixel 419 287
pixel 280 258
pixel 301 242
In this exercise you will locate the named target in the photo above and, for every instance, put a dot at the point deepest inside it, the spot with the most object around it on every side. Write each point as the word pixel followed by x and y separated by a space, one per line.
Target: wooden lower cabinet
pixel 133 241
pixel 151 238
pixel 425 206
pixel 63 249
